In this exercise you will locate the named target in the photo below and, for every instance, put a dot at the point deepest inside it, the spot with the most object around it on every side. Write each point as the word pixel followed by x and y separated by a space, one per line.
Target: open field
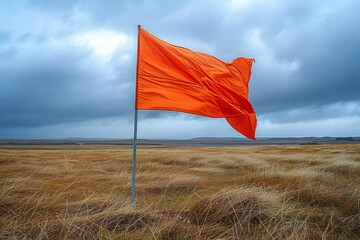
pixel 232 192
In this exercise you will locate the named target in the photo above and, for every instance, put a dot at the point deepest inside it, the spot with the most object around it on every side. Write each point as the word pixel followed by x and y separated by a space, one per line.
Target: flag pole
pixel 134 159
pixel 133 178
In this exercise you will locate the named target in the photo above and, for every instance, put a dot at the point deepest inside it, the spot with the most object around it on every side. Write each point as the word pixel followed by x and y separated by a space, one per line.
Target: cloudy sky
pixel 67 67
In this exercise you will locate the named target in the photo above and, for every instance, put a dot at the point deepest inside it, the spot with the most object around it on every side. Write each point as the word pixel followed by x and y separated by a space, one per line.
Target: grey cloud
pixel 306 57
pixel 315 113
pixel 53 87
pixel 325 48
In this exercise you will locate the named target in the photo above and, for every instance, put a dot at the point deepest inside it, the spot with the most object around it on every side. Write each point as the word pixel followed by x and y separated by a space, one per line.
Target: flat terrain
pixel 183 192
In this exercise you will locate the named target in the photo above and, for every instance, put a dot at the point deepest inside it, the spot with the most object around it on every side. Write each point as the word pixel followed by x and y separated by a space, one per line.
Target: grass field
pixel 245 192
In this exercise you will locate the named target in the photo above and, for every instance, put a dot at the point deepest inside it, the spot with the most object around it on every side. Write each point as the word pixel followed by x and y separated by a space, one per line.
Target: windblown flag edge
pixel 175 78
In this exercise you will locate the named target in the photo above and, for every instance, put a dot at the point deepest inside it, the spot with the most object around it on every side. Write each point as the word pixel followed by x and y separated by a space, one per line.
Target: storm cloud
pixel 67 68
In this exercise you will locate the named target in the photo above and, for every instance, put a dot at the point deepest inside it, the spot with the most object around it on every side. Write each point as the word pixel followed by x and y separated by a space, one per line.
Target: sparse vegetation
pixel 245 192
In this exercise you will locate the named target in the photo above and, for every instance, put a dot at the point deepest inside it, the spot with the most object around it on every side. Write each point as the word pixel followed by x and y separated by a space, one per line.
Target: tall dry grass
pixel 252 192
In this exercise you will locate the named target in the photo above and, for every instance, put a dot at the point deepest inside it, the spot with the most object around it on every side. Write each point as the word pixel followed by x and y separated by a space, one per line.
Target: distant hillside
pixel 200 141
pixel 218 139
pixel 317 139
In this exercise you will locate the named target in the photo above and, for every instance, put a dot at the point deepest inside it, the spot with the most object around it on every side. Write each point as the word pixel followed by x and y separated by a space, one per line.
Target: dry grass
pixel 253 192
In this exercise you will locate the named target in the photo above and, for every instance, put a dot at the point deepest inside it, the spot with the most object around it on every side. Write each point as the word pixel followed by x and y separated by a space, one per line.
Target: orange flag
pixel 174 78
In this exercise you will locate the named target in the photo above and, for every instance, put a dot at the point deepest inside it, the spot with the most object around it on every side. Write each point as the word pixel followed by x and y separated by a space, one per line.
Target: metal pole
pixel 134 159
pixel 133 179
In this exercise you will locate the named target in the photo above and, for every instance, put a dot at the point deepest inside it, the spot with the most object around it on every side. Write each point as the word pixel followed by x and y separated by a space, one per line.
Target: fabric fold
pixel 175 78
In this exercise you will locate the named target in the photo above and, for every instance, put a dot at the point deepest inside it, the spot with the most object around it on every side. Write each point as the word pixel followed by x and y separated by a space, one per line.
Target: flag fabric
pixel 175 78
